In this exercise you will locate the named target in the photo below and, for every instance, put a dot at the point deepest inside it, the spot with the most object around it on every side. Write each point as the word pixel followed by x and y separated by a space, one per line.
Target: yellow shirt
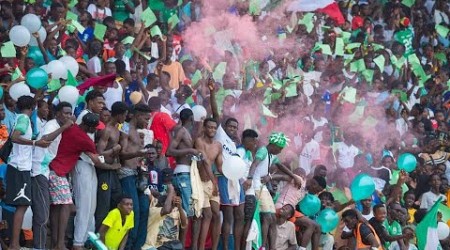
pixel 176 73
pixel 117 231
pixel 411 212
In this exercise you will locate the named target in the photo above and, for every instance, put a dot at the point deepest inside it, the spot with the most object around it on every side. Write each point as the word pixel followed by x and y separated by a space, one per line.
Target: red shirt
pixel 74 141
pixel 161 126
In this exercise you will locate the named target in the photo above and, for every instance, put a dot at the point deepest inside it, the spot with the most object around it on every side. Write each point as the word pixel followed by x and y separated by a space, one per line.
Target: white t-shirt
pixel 228 145
pixel 429 198
pixel 113 95
pixel 94 65
pixel 266 160
pixel 98 14
pixel 310 153
pixel 43 156
pixel 21 154
pixel 347 155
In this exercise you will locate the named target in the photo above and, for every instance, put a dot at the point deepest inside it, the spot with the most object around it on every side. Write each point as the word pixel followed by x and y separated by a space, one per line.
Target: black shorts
pixel 18 187
pixel 249 207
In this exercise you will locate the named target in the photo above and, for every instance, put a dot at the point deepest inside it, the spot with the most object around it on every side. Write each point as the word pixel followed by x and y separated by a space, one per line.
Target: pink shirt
pixel 291 195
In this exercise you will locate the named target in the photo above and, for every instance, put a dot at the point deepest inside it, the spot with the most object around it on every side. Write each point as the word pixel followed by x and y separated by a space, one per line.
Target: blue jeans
pixel 182 184
pixel 141 203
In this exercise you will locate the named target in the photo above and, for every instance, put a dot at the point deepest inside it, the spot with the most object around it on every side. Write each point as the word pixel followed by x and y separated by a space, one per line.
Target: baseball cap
pixel 93 120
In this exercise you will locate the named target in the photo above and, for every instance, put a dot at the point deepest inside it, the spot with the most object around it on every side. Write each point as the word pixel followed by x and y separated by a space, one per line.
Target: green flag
pixel 71 16
pixel 148 17
pixel 326 50
pixel 308 21
pixel 255 233
pixel 358 66
pixel 291 89
pixel 155 31
pixel 16 74
pixel 8 50
pixel 128 40
pixel 254 8
pixel 442 30
pixel 71 81
pixel 426 230
pixel 196 77
pixel 99 31
pixel 173 21
pixel 408 3
pixel 339 50
pixel 379 61
pixel 53 85
pixel 72 3
pixel 219 71
pixel 267 112
pixel 368 75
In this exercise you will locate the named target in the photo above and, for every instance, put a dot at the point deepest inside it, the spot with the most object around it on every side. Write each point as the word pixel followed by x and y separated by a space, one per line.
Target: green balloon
pixel 37 78
pixel 328 220
pixel 310 205
pixel 362 187
pixel 35 53
pixel 1 92
pixel 407 162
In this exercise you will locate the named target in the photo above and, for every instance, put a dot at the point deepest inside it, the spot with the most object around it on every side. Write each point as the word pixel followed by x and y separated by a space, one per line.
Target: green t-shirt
pixel 405 37
pixel 393 229
pixel 120 12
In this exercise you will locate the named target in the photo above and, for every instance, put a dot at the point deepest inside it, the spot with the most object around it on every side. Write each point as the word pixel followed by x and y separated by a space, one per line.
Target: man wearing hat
pixel 75 141
pixel 264 159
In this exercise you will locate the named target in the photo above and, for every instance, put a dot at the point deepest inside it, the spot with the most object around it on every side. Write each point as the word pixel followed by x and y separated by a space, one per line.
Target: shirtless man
pixel 212 155
pixel 109 189
pixel 132 150
pixel 182 148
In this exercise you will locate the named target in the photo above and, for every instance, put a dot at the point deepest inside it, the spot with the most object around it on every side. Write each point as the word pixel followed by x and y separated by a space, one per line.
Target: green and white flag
pixel 427 230
pixel 255 233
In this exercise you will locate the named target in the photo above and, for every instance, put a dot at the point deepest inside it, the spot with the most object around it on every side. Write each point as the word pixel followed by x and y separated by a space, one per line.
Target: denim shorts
pixel 182 184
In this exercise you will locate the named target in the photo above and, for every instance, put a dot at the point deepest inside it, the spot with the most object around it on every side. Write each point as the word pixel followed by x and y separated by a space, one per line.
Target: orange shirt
pixel 176 73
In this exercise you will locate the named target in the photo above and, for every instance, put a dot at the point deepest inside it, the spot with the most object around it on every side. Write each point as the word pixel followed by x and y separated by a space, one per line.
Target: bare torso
pixel 210 151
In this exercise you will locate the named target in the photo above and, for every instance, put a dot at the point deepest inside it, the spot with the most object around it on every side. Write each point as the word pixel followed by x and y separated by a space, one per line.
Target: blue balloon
pixel 35 53
pixel 1 92
pixel 328 220
pixel 407 162
pixel 310 205
pixel 362 187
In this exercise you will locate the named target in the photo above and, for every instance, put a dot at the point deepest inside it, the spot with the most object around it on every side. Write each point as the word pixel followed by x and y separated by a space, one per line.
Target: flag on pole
pixel 427 230
pixel 255 233
pixel 329 7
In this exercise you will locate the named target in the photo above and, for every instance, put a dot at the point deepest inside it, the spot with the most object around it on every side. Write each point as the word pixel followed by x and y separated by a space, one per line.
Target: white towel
pixel 197 190
pixel 234 190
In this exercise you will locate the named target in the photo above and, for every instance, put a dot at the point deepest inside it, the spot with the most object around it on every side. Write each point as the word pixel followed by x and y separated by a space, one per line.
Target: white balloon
pixel 443 230
pixel 42 35
pixel 44 67
pixel 69 94
pixel 57 69
pixel 71 64
pixel 234 168
pixel 19 35
pixel 19 89
pixel 31 22
pixel 199 112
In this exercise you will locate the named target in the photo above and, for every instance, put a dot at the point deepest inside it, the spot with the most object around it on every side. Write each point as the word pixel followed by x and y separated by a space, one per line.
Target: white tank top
pixel 113 95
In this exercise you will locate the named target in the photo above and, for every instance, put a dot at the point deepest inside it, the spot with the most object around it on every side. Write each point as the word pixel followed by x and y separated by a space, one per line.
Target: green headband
pixel 279 139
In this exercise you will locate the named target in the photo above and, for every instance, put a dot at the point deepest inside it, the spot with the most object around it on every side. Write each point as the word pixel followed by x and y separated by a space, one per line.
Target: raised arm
pixel 212 98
